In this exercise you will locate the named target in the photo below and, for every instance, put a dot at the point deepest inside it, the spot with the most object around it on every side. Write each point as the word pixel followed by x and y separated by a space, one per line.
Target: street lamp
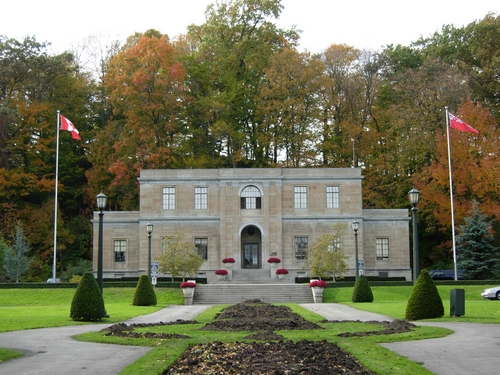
pixel 414 196
pixel 149 229
pixel 355 227
pixel 101 204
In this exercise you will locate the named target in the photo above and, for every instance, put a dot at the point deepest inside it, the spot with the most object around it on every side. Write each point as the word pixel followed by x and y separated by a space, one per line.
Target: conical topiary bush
pixel 425 301
pixel 362 291
pixel 87 304
pixel 144 293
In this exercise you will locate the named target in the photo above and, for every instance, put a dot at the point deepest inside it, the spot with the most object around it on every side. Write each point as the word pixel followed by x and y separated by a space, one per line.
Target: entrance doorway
pixel 251 255
pixel 250 247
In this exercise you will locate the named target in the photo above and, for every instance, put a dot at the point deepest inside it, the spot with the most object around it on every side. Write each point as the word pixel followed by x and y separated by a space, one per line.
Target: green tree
pixel 144 293
pixel 326 258
pixel 87 303
pixel 16 260
pixel 362 291
pixel 475 250
pixel 179 258
pixel 225 74
pixel 425 301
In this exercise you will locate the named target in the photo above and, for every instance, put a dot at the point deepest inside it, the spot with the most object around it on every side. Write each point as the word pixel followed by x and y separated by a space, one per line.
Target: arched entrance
pixel 251 247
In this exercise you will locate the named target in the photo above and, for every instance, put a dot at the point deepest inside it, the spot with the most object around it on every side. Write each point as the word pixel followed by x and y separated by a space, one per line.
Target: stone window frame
pixel 332 196
pixel 201 197
pixel 120 251
pixel 250 198
pixel 382 247
pixel 300 197
pixel 168 197
pixel 198 243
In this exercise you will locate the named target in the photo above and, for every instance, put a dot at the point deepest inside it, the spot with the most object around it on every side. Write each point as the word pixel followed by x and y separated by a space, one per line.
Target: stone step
pixel 228 293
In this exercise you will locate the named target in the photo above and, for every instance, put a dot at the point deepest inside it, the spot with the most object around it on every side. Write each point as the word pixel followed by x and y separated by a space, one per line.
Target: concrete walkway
pixel 472 349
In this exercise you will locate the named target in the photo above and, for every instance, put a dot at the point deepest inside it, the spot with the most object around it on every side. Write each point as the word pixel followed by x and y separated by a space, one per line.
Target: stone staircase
pixel 229 292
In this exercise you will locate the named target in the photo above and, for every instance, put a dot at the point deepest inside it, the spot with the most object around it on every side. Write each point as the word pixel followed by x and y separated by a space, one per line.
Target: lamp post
pixel 101 204
pixel 414 196
pixel 149 229
pixel 355 227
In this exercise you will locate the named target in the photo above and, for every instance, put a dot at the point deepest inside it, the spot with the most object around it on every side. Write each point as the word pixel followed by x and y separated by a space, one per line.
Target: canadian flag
pixel 68 125
pixel 459 124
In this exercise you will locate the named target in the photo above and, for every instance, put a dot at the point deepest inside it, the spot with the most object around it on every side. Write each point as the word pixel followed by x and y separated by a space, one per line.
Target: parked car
pixel 491 293
pixel 51 280
pixel 446 274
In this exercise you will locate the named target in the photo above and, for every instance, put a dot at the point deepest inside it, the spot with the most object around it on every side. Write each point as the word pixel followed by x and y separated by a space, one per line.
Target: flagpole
pixel 55 198
pixel 451 196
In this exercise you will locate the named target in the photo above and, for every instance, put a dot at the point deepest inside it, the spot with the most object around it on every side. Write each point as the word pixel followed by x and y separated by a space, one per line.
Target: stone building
pixel 251 215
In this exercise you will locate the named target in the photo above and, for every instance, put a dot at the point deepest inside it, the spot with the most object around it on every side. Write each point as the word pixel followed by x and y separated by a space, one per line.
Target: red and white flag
pixel 461 125
pixel 68 125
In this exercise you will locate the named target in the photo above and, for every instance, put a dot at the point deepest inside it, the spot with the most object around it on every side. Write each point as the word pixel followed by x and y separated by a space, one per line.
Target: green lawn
pixel 38 308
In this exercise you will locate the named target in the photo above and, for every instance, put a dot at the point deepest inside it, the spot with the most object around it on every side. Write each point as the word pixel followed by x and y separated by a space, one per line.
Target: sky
pixel 364 24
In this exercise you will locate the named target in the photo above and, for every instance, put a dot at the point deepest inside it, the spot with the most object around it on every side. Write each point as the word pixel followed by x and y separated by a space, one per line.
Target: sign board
pixel 154 268
pixel 153 280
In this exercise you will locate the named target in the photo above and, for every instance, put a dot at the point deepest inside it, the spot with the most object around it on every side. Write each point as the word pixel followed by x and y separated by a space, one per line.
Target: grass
pixel 39 308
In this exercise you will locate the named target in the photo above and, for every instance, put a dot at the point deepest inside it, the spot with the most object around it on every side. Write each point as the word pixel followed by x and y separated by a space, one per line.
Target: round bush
pixel 362 291
pixel 425 301
pixel 144 293
pixel 87 304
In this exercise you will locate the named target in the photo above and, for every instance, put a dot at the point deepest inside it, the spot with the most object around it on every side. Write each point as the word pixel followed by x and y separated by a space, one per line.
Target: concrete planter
pixel 188 295
pixel 317 294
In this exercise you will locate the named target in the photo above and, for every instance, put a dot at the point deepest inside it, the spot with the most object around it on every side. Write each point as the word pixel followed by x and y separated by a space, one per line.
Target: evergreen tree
pixel 87 304
pixel 362 291
pixel 476 253
pixel 425 301
pixel 16 261
pixel 144 293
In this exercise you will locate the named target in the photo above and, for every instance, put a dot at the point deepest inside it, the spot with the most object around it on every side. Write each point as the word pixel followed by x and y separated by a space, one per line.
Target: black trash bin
pixel 457 302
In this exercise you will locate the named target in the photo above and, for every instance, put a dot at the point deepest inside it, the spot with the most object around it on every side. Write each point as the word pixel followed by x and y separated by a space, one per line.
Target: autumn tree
pixel 326 258
pixel 145 86
pixel 476 253
pixel 179 258
pixel 287 110
pixel 475 168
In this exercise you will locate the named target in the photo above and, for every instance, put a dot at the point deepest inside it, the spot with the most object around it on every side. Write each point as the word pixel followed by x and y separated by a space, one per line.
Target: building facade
pixel 251 215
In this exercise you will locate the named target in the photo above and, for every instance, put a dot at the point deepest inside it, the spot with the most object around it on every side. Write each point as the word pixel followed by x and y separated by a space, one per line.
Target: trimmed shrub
pixel 87 304
pixel 425 301
pixel 144 293
pixel 362 291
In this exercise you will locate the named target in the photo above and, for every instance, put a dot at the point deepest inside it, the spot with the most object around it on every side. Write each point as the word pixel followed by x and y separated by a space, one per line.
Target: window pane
pixel 300 196
pixel 382 245
pixel 200 198
pixel 120 248
pixel 250 198
pixel 202 247
pixel 332 197
pixel 169 198
pixel 300 247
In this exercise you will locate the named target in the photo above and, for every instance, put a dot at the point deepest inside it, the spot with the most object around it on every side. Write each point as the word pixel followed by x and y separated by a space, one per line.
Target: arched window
pixel 250 198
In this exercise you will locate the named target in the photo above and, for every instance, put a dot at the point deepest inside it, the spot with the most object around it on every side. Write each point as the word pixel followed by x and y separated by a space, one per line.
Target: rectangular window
pixel 300 196
pixel 300 247
pixel 120 247
pixel 382 245
pixel 200 198
pixel 332 197
pixel 169 198
pixel 201 247
pixel 336 244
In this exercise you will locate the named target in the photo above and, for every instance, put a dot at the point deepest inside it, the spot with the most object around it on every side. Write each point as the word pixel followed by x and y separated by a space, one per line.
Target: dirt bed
pixel 270 354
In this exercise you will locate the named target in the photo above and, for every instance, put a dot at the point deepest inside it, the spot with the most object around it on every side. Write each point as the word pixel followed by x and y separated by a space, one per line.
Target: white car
pixel 491 293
